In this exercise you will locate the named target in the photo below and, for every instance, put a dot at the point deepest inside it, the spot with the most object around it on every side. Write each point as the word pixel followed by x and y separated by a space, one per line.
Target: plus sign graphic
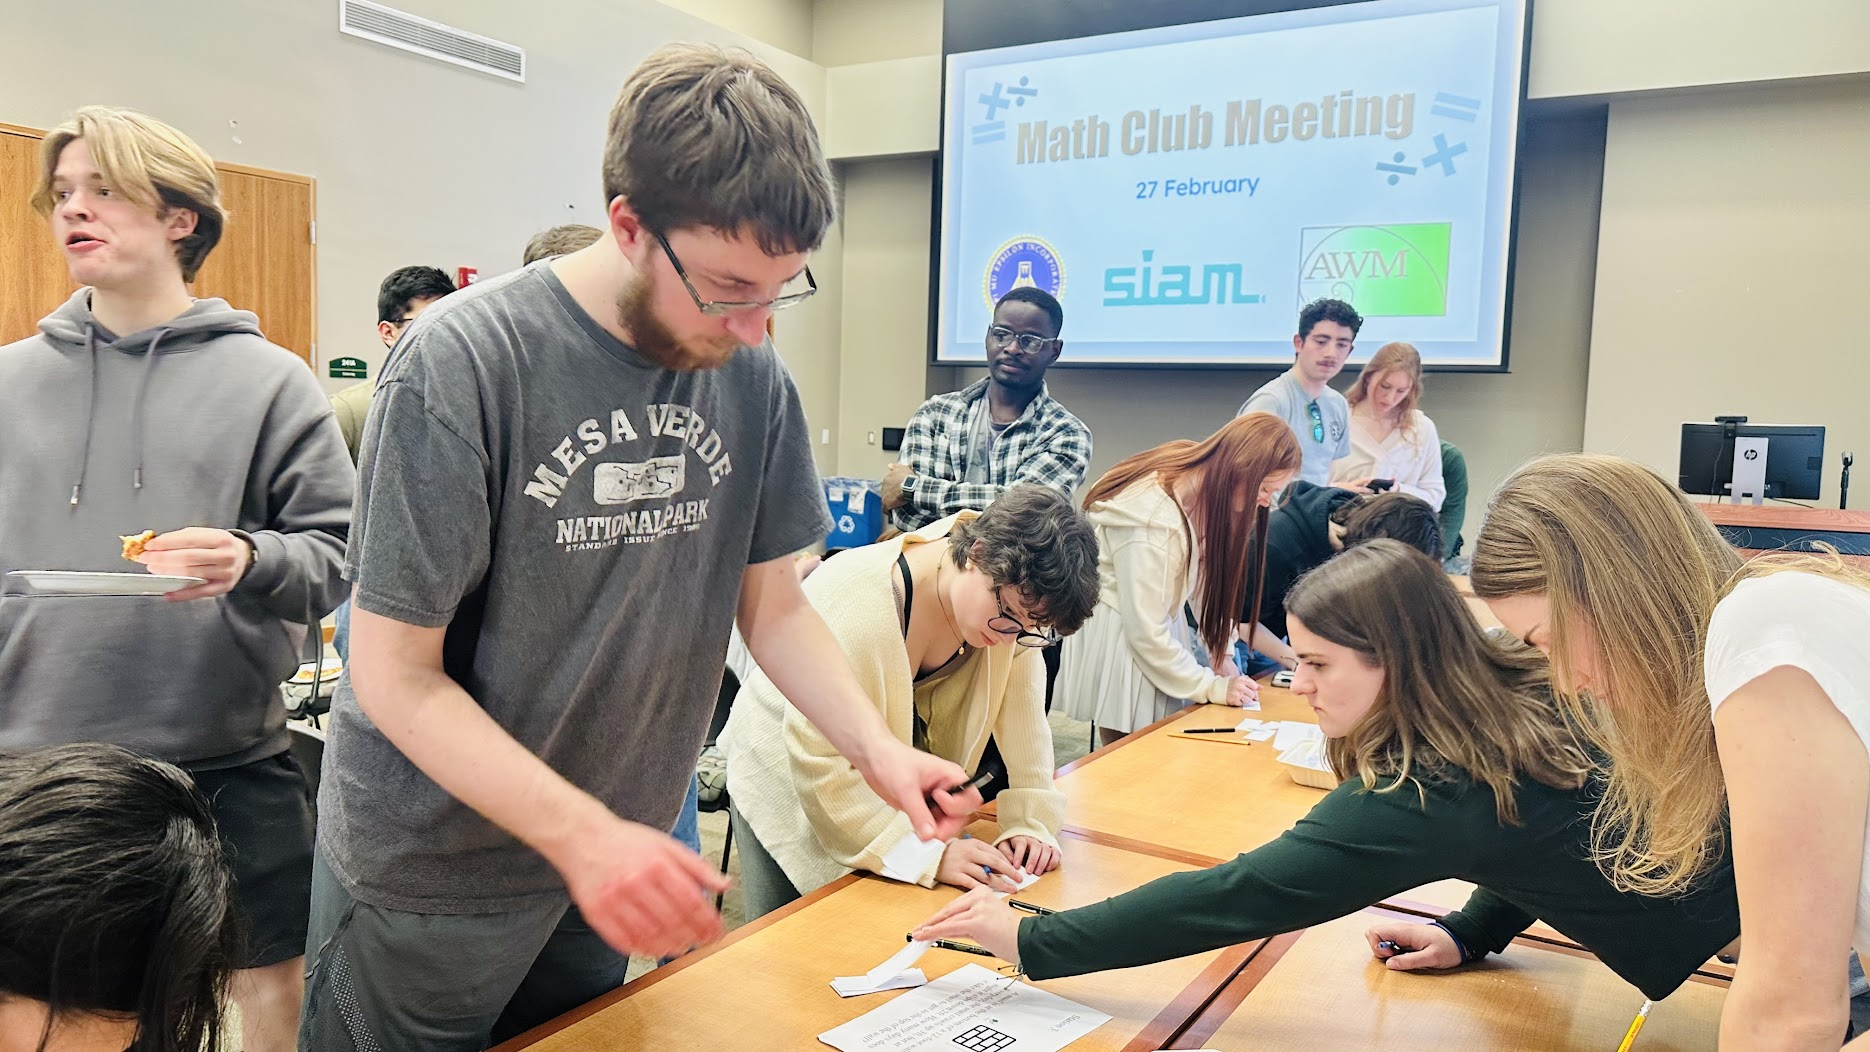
pixel 992 128
pixel 1444 154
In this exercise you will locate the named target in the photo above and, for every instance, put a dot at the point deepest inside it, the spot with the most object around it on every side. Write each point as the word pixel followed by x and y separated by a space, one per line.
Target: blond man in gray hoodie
pixel 139 408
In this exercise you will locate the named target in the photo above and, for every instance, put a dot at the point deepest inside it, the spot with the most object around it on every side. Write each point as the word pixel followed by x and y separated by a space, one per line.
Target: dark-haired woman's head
pixel 1036 555
pixel 116 908
pixel 1405 682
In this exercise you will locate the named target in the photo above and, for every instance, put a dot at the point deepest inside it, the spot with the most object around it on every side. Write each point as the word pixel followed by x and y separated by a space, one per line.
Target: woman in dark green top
pixel 1455 764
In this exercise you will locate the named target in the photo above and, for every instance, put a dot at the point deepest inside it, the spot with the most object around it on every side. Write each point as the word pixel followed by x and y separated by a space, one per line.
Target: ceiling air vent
pixel 399 29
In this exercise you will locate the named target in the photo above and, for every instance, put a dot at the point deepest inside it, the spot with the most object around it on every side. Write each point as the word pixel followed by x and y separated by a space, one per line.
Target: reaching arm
pixel 790 643
pixel 642 891
pixel 1354 849
pixel 1785 747
pixel 1145 582
pixel 1030 805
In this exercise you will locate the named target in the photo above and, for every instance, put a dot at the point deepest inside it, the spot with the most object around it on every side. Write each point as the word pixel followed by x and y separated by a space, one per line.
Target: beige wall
pixel 1731 269
pixel 784 24
pixel 884 330
pixel 417 161
pixel 1603 47
pixel 851 31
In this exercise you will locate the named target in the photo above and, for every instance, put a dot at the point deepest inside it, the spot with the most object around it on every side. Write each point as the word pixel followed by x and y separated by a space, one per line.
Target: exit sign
pixel 349 369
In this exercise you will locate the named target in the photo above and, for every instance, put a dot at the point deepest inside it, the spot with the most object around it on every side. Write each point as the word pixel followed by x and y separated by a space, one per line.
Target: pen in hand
pixel 1027 907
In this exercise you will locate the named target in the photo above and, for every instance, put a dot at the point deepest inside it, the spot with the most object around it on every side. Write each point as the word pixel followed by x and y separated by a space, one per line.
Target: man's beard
pixel 653 340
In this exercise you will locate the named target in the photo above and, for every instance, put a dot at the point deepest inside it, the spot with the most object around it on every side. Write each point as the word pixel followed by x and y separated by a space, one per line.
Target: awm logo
pixel 1399 270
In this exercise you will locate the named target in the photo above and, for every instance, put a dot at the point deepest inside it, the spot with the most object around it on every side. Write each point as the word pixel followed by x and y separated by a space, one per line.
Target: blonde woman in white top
pixel 1183 520
pixel 1390 437
pixel 1733 703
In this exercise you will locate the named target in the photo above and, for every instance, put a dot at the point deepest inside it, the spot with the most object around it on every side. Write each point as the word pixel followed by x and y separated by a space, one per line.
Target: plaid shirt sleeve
pixel 925 450
pixel 1055 451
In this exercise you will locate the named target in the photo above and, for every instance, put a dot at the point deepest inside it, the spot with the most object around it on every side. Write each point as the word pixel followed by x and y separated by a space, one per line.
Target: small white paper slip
pixel 910 857
pixel 893 974
pixel 969 1008
pixel 1263 734
pixel 1027 880
pixel 1250 724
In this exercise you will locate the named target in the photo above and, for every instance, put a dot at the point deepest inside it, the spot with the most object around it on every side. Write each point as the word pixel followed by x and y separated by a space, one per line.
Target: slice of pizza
pixel 133 545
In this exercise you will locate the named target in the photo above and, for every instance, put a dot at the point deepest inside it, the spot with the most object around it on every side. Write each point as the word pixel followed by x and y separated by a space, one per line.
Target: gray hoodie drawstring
pixel 90 416
pixel 142 393
pixel 90 413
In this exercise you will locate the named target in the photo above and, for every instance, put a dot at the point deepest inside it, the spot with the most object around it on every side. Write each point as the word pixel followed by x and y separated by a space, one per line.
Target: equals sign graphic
pixel 1458 107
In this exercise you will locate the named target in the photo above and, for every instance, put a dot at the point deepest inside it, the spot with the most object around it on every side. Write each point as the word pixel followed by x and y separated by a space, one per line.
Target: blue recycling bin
pixel 856 512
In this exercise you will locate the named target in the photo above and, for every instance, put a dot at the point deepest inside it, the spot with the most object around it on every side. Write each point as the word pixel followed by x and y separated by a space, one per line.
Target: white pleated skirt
pixel 1100 682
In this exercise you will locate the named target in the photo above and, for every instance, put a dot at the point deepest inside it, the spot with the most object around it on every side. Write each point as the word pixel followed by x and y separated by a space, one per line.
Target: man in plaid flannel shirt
pixel 963 449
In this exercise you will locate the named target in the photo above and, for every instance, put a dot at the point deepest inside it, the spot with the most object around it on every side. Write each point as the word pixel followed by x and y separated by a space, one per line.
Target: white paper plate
pixel 83 582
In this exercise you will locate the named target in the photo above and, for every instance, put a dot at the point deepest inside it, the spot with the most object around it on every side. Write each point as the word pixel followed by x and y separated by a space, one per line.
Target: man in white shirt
pixel 1302 396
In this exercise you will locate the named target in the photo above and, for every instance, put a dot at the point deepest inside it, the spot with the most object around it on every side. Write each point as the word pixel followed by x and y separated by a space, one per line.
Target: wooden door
pixel 33 280
pixel 266 261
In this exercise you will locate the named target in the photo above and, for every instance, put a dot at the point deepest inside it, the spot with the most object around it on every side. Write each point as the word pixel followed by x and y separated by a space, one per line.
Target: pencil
pixel 1636 1026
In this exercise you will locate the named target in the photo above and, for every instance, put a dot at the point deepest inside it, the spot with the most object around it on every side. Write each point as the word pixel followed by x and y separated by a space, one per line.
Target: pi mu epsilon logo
pixel 1023 263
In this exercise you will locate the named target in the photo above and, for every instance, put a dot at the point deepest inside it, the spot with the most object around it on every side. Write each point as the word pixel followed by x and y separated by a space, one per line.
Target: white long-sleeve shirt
pixel 1411 457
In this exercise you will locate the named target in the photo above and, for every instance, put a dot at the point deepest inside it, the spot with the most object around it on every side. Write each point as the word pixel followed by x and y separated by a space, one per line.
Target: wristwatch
pixel 909 485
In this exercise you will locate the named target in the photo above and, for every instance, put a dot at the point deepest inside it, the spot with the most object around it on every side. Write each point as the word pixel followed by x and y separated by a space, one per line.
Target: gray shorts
pixel 381 980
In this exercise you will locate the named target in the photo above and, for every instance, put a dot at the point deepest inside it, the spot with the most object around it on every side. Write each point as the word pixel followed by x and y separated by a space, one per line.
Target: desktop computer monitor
pixel 1794 459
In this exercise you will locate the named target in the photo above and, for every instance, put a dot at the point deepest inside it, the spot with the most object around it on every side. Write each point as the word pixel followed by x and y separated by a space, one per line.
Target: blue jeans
pixel 688 823
pixel 341 637
pixel 1252 662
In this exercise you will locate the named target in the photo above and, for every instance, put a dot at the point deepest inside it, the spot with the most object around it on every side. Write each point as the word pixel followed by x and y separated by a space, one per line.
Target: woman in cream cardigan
pixel 943 627
pixel 1185 520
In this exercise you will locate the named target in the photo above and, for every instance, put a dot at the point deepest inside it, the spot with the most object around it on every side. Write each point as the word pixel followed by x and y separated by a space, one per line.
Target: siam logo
pixel 1023 263
pixel 1155 284
pixel 1398 270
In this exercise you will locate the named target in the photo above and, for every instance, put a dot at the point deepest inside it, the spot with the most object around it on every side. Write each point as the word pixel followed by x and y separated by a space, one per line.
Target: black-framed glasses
pixel 1318 421
pixel 1008 625
pixel 723 308
pixel 1002 337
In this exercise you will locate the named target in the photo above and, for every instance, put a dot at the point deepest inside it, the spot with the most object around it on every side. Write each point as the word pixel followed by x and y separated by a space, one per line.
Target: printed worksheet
pixel 971 1009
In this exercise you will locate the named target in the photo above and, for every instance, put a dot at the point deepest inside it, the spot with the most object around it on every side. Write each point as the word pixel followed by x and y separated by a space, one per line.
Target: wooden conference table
pixel 766 986
pixel 1157 802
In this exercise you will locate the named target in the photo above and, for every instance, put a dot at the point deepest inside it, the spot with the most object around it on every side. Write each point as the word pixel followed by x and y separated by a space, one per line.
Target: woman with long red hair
pixel 1185 520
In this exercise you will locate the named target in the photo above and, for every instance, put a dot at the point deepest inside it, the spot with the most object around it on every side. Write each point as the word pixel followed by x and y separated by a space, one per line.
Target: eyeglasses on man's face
pixel 727 308
pixel 1008 625
pixel 1002 337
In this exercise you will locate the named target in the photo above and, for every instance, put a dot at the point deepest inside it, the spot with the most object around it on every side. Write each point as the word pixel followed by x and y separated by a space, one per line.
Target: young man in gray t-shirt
pixel 573 479
pixel 1302 396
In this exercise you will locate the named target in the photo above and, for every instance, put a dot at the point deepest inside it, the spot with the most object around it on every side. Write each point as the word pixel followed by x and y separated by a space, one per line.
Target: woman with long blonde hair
pixel 1185 519
pixel 1455 763
pixel 1733 701
pixel 1390 438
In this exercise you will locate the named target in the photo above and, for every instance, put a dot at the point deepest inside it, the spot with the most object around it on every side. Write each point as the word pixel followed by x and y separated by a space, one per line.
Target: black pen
pixel 1030 908
pixel 1393 947
pixel 945 944
pixel 1212 730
